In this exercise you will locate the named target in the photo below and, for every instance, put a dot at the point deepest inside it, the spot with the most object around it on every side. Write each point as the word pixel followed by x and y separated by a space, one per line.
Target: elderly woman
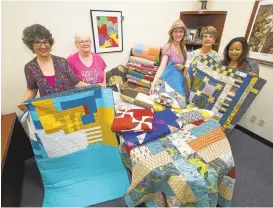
pixel 89 67
pixel 208 37
pixel 45 73
pixel 174 50
pixel 235 56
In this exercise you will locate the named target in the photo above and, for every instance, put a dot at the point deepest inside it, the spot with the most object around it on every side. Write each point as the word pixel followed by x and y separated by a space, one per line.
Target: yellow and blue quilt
pixel 224 90
pixel 76 152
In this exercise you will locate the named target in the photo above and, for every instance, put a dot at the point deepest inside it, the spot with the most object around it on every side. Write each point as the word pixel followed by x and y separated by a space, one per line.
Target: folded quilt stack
pixel 142 66
pixel 135 120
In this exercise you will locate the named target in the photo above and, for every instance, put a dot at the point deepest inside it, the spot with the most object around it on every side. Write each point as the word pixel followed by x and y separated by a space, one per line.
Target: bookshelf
pixel 201 18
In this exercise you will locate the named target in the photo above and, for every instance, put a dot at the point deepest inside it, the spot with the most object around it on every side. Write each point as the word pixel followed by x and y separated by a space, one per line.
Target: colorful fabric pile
pixel 224 90
pixel 75 149
pixel 164 123
pixel 142 66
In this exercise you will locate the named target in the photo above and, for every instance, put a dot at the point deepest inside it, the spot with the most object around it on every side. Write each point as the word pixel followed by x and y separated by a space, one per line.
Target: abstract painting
pixel 107 30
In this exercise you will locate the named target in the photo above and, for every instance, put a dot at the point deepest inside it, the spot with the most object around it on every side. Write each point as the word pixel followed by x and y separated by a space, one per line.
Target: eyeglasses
pixel 83 42
pixel 38 43
pixel 208 36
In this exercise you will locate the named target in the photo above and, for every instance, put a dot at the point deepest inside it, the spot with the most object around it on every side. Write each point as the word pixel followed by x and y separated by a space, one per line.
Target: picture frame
pixel 107 30
pixel 259 32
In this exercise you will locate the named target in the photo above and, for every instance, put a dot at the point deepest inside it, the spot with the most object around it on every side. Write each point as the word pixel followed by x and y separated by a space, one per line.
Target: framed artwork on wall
pixel 259 32
pixel 107 30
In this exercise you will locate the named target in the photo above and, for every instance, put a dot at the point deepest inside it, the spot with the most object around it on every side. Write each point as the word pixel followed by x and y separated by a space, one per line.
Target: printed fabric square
pixel 135 120
pixel 164 123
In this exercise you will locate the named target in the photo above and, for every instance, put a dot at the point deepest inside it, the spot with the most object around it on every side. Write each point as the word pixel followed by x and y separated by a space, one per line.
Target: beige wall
pixel 144 22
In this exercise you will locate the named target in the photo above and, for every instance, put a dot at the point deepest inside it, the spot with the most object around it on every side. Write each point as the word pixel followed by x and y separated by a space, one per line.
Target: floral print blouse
pixel 65 78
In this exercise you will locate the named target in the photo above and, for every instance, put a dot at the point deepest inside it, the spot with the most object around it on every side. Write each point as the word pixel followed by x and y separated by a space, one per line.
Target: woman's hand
pixel 22 107
pixel 152 88
pixel 185 72
pixel 252 74
pixel 180 66
pixel 103 85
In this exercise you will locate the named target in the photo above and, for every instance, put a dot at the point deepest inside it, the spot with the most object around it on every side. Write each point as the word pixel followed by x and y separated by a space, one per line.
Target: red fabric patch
pixel 232 173
pixel 127 149
pixel 198 123
pixel 136 120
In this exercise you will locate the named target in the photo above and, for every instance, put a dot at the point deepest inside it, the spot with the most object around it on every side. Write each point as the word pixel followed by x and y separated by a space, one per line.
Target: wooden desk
pixel 7 124
pixel 16 148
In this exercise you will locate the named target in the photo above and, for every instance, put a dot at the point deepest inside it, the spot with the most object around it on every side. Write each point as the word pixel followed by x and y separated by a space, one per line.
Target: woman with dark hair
pixel 46 73
pixel 235 56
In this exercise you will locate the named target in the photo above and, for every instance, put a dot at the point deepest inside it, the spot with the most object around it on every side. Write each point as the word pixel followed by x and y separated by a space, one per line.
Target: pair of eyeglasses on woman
pixel 82 42
pixel 39 43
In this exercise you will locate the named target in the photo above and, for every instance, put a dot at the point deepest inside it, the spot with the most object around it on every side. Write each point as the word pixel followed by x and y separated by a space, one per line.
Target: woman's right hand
pixel 152 88
pixel 22 107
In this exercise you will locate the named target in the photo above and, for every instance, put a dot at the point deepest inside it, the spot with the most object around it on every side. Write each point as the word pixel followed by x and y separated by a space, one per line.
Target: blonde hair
pixel 79 35
pixel 182 44
pixel 209 30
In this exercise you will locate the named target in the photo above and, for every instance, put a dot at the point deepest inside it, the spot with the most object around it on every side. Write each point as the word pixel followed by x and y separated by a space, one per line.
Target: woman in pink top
pixel 174 50
pixel 89 67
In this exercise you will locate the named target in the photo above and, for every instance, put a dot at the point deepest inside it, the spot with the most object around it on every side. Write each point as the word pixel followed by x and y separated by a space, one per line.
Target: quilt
pixel 140 75
pixel 140 99
pixel 191 167
pixel 116 77
pixel 76 152
pixel 224 90
pixel 134 87
pixel 170 89
pixel 141 61
pixel 133 120
pixel 146 52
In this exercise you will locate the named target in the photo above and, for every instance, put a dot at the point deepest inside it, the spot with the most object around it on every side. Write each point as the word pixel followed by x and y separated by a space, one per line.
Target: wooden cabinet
pixel 15 149
pixel 193 19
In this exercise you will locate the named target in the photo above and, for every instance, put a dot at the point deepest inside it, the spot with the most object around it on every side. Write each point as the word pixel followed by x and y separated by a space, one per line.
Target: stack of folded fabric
pixel 139 126
pixel 141 68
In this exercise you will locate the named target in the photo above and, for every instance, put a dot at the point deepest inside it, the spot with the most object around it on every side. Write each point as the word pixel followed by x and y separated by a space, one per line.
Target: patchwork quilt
pixel 191 167
pixel 170 88
pixel 76 152
pixel 133 120
pixel 146 52
pixel 116 77
pixel 224 90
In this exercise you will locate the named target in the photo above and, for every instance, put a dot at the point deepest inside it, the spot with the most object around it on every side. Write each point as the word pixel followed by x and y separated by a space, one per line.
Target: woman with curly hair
pixel 235 56
pixel 46 73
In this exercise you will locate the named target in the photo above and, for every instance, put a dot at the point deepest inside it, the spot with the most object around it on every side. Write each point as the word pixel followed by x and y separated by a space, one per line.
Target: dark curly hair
pixel 243 58
pixel 34 32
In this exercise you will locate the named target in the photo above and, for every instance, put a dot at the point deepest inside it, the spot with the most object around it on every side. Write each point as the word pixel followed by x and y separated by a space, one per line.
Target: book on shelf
pixel 194 35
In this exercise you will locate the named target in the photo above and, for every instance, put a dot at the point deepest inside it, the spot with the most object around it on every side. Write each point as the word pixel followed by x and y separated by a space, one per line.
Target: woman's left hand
pixel 252 74
pixel 180 66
